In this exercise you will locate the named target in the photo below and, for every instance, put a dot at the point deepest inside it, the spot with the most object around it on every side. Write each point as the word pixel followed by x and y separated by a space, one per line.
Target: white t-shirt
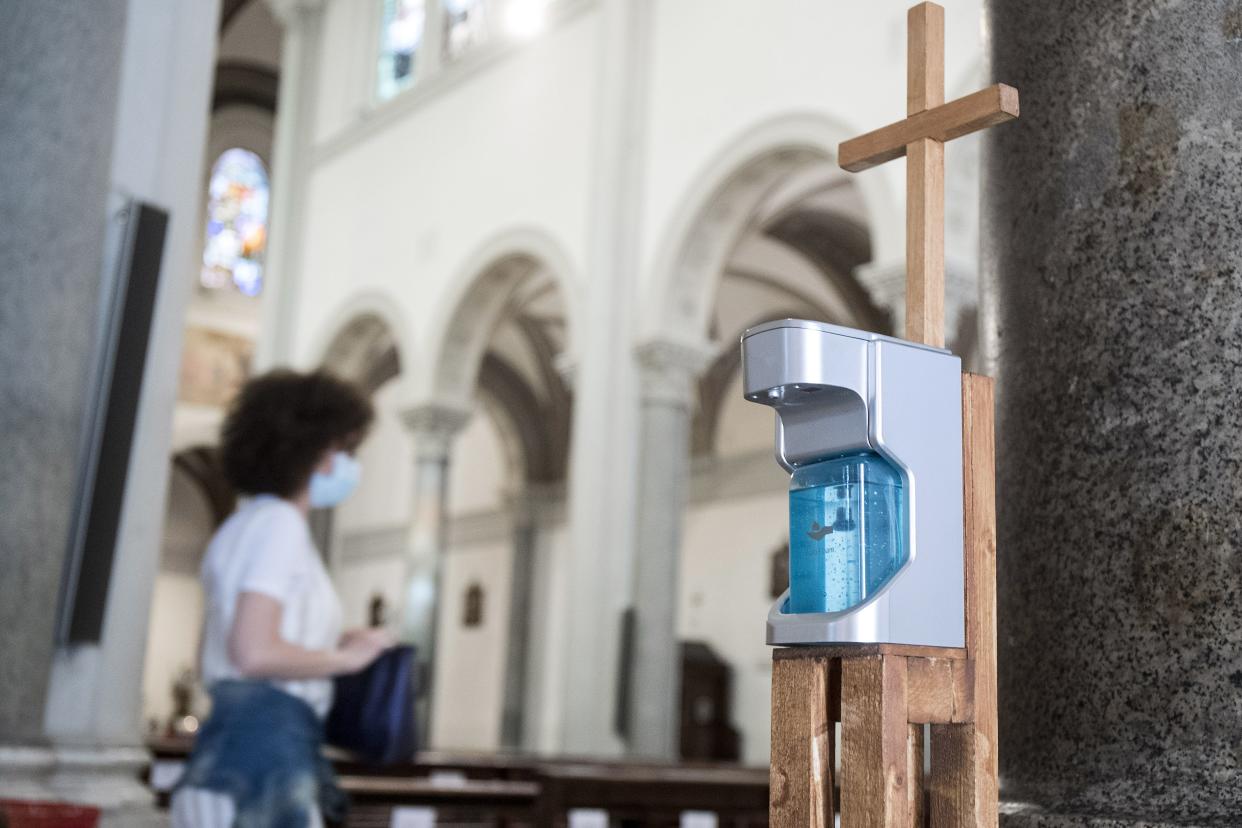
pixel 266 547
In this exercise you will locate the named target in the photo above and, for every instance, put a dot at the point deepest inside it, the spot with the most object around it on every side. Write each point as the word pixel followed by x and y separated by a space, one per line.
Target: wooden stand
pixel 883 694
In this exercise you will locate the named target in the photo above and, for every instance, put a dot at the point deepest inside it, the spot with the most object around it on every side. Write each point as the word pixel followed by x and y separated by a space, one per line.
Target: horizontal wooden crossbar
pixel 985 108
pixel 856 650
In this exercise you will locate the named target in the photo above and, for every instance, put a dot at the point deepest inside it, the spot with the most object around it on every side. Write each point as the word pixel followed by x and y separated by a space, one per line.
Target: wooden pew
pixel 655 796
pixel 520 790
pixel 471 802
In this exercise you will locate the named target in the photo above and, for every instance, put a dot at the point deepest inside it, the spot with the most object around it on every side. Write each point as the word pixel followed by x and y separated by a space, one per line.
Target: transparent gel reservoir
pixel 846 532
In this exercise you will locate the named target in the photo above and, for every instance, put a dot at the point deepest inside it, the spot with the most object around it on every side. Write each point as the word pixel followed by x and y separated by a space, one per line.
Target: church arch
pixel 486 285
pixel 726 197
pixel 366 341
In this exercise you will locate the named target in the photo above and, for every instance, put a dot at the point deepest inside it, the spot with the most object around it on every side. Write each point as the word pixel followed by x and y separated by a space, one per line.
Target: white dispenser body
pixel 837 391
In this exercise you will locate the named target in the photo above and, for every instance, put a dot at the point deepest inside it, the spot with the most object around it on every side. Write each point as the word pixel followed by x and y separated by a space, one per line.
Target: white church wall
pixel 349 50
pixel 404 207
pixel 721 71
pixel 478 473
pixel 724 599
pixel 385 492
pixel 743 427
pixel 172 641
pixel 469 678
pixel 359 579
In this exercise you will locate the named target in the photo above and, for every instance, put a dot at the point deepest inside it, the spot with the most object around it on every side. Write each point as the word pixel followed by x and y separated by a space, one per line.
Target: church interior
pixel 533 233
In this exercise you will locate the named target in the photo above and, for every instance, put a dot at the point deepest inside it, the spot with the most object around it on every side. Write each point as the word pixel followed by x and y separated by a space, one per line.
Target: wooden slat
pixel 925 242
pixel 915 817
pixel 979 110
pixel 963 691
pixel 930 690
pixel 924 57
pixel 801 767
pixel 979 481
pixel 855 650
pixel 951 787
pixel 874 742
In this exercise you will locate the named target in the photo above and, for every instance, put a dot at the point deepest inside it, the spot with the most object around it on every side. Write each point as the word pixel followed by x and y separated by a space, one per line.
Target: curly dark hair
pixel 281 424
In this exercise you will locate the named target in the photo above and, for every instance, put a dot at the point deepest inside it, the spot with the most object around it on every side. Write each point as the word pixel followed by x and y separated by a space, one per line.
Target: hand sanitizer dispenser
pixel 870 429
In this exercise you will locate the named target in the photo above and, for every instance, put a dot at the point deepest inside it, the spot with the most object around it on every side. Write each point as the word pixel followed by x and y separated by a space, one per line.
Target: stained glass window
pixel 402 35
pixel 236 223
pixel 465 25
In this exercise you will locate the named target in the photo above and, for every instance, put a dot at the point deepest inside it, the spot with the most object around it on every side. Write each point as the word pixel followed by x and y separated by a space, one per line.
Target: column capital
pixel 669 368
pixel 288 12
pixel 433 426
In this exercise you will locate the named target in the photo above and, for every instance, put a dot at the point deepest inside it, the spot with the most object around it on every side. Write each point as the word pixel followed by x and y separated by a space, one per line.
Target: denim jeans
pixel 261 746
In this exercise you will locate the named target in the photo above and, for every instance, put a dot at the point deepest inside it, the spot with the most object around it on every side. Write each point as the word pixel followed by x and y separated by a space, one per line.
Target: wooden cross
pixel 920 137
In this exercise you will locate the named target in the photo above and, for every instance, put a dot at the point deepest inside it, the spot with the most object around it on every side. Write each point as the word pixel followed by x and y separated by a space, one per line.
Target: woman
pixel 272 637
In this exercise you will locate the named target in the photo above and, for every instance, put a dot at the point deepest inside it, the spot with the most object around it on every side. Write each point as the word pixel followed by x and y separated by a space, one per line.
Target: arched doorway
pixel 501 357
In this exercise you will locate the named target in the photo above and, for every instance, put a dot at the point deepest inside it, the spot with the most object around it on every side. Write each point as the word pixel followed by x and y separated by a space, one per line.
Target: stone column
pixel 528 509
pixel 668 372
pixel 291 145
pixel 1113 255
pixel 433 427
pixel 130 100
pixel 48 309
pixel 605 415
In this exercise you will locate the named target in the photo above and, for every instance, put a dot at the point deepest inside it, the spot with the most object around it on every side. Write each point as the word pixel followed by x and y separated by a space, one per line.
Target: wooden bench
pixel 655 796
pixel 517 790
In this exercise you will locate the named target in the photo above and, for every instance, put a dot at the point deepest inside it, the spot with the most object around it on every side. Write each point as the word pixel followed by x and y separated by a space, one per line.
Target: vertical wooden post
pixel 925 180
pixel 925 242
pixel 924 57
pixel 802 756
pixel 964 762
pixel 979 478
pixel 874 742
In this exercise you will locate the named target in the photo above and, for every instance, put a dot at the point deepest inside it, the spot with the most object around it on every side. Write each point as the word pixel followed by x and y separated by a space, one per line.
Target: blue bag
pixel 373 711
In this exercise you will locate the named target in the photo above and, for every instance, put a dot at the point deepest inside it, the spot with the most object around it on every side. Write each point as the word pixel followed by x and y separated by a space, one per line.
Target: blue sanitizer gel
pixel 846 532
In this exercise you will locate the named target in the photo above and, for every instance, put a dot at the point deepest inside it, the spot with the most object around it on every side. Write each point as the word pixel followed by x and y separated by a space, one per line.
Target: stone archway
pixel 499 353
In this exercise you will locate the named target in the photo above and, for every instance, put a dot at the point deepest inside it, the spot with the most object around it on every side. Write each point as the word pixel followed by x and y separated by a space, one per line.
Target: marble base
pixel 102 777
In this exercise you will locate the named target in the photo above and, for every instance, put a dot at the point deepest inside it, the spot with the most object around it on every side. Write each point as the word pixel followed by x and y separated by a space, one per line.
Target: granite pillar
pixel 669 372
pixel 52 219
pixel 433 428
pixel 1113 267
pixel 100 100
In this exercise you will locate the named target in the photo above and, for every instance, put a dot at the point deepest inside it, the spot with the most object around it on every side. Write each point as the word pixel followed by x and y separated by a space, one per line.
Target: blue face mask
pixel 328 490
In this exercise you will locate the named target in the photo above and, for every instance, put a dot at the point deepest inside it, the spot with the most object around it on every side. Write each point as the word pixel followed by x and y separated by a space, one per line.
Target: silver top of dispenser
pixel 820 378
pixel 840 330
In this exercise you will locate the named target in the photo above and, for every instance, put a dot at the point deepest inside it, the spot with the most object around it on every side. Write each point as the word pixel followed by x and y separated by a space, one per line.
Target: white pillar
pixel 669 372
pixel 601 500
pixel 529 511
pixel 433 427
pixel 291 148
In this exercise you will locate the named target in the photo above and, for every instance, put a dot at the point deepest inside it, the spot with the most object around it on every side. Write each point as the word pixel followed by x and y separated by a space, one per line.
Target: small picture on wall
pixel 473 613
